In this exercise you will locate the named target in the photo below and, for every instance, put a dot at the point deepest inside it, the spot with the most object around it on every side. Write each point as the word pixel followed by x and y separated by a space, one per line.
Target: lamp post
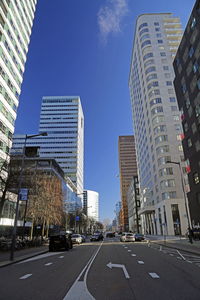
pixel 182 183
pixel 18 196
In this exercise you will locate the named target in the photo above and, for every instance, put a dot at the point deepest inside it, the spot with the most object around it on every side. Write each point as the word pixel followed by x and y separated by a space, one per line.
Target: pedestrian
pixel 190 235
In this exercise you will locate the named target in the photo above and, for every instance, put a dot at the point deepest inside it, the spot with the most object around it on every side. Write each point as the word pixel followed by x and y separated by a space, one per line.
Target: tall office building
pixel 62 118
pixel 157 125
pixel 91 204
pixel 127 169
pixel 16 20
pixel 187 86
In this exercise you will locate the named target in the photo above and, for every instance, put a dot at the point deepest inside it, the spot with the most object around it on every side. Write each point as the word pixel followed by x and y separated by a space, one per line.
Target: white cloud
pixel 110 17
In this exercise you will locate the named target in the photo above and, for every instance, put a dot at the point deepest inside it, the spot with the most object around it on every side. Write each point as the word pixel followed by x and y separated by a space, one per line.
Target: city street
pixel 108 270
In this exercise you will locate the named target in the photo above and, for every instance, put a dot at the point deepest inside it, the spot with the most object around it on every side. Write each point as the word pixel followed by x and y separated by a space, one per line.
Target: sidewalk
pixel 179 243
pixel 22 254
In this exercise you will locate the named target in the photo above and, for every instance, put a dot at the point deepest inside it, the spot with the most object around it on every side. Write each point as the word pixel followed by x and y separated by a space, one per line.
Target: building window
pixel 148 55
pixel 156 110
pixel 195 67
pixel 160 41
pixel 162 54
pixel 148 42
pixel 191 52
pixel 183 87
pixel 165 68
pixel 168 195
pixel 198 83
pixel 155 101
pixel 158 35
pixel 187 102
pixel 196 178
pixel 150 69
pixel 193 23
pixel 142 25
pixel 172 99
pixel 157 29
pixel 156 23
pixel 143 31
pixel 189 142
pixel 174 108
pixel 168 83
pixel 152 76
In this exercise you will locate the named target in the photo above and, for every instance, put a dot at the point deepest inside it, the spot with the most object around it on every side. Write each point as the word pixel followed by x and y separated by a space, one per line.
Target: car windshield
pixel 129 234
pixel 75 235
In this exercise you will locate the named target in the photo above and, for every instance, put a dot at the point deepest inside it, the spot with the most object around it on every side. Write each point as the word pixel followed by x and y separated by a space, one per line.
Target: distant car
pixel 83 238
pixel 127 237
pixel 139 237
pixel 110 234
pixel 96 237
pixel 59 241
pixel 76 238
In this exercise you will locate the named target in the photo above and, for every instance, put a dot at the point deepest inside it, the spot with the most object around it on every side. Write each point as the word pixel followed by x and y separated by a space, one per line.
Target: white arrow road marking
pixel 154 275
pixel 25 276
pixel 79 289
pixel 140 262
pixel 110 265
pixel 48 264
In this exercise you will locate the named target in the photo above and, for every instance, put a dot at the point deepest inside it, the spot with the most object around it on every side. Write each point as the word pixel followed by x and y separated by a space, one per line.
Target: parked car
pixel 76 238
pixel 110 234
pixel 59 241
pixel 83 238
pixel 127 237
pixel 96 237
pixel 139 237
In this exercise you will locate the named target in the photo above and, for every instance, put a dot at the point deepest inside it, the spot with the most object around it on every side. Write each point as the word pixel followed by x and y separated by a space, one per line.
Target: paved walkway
pixel 22 254
pixel 179 243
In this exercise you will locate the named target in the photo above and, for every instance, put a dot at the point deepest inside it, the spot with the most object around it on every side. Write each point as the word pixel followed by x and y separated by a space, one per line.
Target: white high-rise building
pixel 157 126
pixel 16 20
pixel 62 118
pixel 91 204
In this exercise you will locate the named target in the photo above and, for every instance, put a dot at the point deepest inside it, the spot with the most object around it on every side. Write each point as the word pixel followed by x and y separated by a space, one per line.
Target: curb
pixel 177 248
pixel 24 257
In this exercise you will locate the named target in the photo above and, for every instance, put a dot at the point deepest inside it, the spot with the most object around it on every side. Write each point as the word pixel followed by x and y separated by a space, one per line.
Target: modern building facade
pixel 127 169
pixel 133 201
pixel 62 118
pixel 187 86
pixel 16 20
pixel 91 204
pixel 157 125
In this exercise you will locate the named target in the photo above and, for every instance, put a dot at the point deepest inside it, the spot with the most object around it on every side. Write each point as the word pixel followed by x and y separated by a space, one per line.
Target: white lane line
pixel 61 256
pixel 125 247
pixel 48 264
pixel 39 257
pixel 178 257
pixel 189 261
pixel 129 250
pixel 79 288
pixel 140 262
pixel 133 254
pixel 25 276
pixel 181 255
pixel 171 254
pixel 154 275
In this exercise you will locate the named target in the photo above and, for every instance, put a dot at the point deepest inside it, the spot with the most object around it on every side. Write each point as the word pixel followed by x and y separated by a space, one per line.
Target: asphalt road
pixel 110 270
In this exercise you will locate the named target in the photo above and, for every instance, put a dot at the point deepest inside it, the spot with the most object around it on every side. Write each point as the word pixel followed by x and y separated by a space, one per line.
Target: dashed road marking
pixel 171 254
pixel 140 262
pixel 61 256
pixel 133 254
pixel 25 276
pixel 154 275
pixel 48 264
pixel 129 250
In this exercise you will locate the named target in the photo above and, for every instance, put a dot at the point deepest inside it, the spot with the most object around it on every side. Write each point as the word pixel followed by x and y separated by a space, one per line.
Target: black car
pixel 96 237
pixel 139 237
pixel 60 241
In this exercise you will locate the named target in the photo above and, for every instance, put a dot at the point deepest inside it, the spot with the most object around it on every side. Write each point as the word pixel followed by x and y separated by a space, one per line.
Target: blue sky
pixel 83 47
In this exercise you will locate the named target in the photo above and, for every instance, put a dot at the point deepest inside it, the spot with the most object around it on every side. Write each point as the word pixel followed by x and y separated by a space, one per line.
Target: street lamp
pixel 18 196
pixel 182 182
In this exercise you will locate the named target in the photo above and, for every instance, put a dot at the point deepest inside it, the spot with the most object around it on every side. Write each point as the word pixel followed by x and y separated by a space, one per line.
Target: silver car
pixel 127 237
pixel 76 238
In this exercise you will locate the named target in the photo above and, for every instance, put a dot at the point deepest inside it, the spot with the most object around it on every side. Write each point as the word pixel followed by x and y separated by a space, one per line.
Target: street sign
pixel 77 218
pixel 23 194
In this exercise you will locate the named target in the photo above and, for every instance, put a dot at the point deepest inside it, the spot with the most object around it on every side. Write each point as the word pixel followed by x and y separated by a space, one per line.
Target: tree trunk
pixel 43 227
pixel 32 226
